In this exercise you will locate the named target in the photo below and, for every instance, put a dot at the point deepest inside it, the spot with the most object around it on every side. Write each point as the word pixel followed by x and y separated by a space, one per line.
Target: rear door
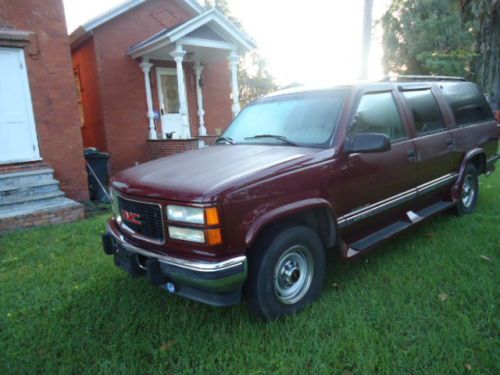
pixel 433 143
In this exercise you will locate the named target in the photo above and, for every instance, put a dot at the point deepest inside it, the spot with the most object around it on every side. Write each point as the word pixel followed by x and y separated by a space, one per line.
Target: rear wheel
pixel 286 272
pixel 469 191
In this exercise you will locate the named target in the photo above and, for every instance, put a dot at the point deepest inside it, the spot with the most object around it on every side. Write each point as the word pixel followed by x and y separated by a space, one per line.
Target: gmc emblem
pixel 131 217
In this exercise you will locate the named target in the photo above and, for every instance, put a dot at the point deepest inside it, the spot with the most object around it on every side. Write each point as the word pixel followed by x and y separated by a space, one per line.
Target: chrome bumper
pixel 216 283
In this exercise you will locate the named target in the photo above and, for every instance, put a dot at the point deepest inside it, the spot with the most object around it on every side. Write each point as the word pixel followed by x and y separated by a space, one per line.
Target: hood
pixel 200 175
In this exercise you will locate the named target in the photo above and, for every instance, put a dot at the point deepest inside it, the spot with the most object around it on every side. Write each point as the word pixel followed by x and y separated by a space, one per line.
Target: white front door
pixel 168 95
pixel 18 140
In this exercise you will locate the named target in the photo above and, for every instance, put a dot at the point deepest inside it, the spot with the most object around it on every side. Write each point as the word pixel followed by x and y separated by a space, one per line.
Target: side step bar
pixel 370 241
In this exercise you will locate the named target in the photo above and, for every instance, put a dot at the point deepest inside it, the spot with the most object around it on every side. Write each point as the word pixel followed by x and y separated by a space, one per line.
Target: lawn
pixel 425 303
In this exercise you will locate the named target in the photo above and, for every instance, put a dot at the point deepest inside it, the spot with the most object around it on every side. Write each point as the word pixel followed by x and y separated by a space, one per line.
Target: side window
pixel 425 110
pixel 468 104
pixel 377 113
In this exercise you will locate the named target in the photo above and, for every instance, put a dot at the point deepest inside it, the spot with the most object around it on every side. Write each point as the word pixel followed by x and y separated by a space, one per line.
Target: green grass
pixel 424 303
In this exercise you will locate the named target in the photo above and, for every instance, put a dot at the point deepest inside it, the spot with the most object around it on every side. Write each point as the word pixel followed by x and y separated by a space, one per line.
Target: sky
pixel 309 42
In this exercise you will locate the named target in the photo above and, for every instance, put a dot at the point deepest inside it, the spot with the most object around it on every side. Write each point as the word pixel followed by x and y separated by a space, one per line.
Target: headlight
pixel 193 215
pixel 187 234
pixel 185 214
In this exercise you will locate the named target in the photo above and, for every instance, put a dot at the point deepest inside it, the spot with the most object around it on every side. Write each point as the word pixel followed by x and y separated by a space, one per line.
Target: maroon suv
pixel 298 174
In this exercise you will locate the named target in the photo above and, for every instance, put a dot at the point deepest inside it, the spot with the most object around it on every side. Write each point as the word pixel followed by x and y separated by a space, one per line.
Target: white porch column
pixel 234 59
pixel 146 67
pixel 198 68
pixel 178 56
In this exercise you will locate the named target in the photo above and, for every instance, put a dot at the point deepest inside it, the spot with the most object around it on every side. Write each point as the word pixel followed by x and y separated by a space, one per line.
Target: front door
pixel 168 95
pixel 18 140
pixel 384 183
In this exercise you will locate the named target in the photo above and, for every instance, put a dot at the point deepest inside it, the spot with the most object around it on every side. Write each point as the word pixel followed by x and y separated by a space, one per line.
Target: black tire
pixel 469 191
pixel 284 252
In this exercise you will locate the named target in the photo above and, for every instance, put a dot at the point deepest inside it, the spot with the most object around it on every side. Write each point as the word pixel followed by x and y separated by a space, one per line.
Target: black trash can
pixel 97 172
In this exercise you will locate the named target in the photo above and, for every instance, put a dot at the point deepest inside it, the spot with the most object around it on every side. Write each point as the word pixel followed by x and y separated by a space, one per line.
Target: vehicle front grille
pixel 143 218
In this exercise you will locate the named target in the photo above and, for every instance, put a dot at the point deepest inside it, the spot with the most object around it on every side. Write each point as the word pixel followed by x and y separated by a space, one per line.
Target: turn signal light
pixel 212 216
pixel 214 236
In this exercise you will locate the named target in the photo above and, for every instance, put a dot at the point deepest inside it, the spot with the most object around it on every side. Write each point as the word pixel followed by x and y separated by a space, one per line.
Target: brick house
pixel 151 67
pixel 41 152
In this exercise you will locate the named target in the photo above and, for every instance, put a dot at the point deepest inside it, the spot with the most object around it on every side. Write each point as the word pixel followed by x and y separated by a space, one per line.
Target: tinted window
pixel 306 119
pixel 468 104
pixel 377 113
pixel 425 111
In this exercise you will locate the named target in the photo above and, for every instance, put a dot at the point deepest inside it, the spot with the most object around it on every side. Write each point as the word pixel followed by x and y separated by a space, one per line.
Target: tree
pixel 254 78
pixel 483 18
pixel 426 37
pixel 445 37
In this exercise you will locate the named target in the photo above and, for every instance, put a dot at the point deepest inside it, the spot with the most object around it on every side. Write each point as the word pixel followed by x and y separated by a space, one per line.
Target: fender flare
pixel 455 190
pixel 282 212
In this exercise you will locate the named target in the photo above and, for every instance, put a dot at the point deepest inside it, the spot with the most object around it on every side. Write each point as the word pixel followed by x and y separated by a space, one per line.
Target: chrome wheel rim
pixel 293 274
pixel 468 191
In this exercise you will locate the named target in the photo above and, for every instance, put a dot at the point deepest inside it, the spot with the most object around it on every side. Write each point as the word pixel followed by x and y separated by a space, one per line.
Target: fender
pixel 455 190
pixel 286 210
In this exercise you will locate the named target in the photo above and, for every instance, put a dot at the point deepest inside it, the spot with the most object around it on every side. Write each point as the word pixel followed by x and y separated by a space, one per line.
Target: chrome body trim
pixel 493 159
pixel 197 266
pixel 395 200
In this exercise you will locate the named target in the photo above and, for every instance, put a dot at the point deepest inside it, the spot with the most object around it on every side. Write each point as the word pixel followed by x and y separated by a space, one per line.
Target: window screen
pixel 377 113
pixel 425 111
pixel 468 104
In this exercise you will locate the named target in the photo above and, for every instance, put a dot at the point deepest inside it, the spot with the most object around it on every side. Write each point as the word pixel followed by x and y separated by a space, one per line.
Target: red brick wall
pixel 162 147
pixel 121 83
pixel 85 63
pixel 52 89
pixel 216 91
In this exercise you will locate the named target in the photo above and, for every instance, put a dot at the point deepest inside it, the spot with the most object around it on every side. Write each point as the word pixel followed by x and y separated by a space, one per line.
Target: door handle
pixel 411 154
pixel 450 142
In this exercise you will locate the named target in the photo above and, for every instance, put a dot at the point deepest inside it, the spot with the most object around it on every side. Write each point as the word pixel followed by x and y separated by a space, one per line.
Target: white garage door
pixel 18 141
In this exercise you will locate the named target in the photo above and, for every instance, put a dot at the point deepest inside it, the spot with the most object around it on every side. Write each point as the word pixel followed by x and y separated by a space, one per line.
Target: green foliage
pixel 254 78
pixel 425 303
pixel 426 37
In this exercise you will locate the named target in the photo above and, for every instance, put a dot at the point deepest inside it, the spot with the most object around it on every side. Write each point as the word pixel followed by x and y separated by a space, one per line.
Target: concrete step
pixel 38 206
pixel 29 189
pixel 54 211
pixel 27 200
pixel 25 177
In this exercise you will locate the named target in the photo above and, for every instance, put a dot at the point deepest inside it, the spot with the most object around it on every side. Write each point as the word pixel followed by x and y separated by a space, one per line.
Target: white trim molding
pixel 213 18
pixel 198 68
pixel 234 60
pixel 146 68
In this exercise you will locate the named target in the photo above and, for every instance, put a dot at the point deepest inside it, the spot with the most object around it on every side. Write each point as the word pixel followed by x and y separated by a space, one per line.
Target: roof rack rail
pixel 422 78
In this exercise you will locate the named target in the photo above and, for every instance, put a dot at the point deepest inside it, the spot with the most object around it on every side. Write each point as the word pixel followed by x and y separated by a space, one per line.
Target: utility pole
pixel 367 37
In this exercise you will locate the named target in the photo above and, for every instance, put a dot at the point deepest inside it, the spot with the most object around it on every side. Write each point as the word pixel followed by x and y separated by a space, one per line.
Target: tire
pixel 286 272
pixel 469 191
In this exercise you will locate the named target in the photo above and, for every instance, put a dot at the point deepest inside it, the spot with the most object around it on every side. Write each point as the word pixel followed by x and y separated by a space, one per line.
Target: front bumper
pixel 214 283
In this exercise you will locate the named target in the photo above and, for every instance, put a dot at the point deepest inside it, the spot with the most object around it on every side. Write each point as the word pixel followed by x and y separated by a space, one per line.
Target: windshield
pixel 298 119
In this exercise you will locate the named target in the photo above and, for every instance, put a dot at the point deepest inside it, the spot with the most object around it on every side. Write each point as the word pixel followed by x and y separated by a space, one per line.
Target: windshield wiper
pixel 226 139
pixel 282 138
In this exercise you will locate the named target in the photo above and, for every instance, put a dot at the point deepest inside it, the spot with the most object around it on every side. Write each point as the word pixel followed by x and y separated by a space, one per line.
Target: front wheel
pixel 469 191
pixel 286 272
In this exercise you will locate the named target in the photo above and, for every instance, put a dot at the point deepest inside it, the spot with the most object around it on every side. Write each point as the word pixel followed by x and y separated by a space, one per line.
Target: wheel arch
pixel 477 157
pixel 315 213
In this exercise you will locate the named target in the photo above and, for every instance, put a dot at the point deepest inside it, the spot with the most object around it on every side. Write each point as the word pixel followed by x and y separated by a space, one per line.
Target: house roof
pixel 83 31
pixel 220 24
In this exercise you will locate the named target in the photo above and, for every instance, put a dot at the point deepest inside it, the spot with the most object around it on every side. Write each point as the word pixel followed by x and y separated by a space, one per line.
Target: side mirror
pixel 368 142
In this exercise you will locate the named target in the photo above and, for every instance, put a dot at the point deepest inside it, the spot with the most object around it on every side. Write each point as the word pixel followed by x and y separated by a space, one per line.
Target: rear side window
pixel 425 111
pixel 468 104
pixel 377 113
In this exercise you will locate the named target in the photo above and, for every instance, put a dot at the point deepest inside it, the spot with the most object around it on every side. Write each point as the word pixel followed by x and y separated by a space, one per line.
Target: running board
pixel 387 232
